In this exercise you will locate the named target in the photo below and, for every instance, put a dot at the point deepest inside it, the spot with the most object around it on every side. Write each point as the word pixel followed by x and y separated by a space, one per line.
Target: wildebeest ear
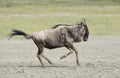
pixel 83 20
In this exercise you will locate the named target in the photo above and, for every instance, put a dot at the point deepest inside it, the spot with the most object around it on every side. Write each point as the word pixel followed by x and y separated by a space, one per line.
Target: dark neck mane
pixel 60 25
pixel 74 33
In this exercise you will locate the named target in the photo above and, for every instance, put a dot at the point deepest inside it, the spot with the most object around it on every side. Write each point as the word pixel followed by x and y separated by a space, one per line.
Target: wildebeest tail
pixel 15 32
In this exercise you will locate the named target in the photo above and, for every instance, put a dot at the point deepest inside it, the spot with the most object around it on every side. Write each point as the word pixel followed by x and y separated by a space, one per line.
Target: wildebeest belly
pixel 52 42
pixel 52 47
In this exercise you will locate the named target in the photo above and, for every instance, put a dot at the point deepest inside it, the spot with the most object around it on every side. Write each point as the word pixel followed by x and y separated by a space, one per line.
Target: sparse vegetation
pixel 101 16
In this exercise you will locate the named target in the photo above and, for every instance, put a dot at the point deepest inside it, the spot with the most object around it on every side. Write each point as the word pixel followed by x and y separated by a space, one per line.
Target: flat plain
pixel 99 56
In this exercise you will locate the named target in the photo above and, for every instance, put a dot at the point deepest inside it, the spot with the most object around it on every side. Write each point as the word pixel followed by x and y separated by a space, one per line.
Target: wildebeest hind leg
pixel 39 56
pixel 46 59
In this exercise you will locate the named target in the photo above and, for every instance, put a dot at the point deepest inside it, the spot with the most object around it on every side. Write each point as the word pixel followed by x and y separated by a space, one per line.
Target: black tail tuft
pixel 15 32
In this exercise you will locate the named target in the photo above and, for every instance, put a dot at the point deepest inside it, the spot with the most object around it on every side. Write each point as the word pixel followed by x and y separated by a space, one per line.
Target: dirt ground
pixel 99 58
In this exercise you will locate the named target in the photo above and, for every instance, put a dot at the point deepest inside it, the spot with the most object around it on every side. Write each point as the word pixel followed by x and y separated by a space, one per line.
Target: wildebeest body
pixel 53 38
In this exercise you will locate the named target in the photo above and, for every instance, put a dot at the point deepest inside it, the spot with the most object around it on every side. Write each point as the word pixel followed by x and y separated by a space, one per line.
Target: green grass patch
pixel 83 9
pixel 98 25
pixel 102 19
pixel 10 3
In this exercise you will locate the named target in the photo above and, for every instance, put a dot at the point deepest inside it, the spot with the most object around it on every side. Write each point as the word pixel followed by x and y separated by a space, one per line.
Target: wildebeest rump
pixel 61 35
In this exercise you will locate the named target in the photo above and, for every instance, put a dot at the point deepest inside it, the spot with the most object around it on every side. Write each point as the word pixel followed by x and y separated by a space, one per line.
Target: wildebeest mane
pixel 74 33
pixel 59 25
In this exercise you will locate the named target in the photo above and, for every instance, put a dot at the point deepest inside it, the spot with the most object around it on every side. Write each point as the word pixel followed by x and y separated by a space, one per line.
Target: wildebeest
pixel 61 35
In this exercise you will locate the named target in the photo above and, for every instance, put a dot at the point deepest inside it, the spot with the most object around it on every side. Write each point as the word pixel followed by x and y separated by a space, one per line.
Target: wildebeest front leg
pixel 77 59
pixel 67 54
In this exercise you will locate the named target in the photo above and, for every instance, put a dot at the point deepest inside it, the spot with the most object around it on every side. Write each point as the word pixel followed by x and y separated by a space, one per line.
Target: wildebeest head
pixel 83 30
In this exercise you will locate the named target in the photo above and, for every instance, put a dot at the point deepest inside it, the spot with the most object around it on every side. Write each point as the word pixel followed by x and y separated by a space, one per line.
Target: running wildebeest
pixel 61 35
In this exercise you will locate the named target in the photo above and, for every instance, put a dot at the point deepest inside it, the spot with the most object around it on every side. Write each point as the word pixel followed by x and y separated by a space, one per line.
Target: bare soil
pixel 99 58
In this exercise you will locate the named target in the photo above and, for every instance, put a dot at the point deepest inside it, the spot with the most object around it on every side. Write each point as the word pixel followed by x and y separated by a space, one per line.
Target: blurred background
pixel 102 16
